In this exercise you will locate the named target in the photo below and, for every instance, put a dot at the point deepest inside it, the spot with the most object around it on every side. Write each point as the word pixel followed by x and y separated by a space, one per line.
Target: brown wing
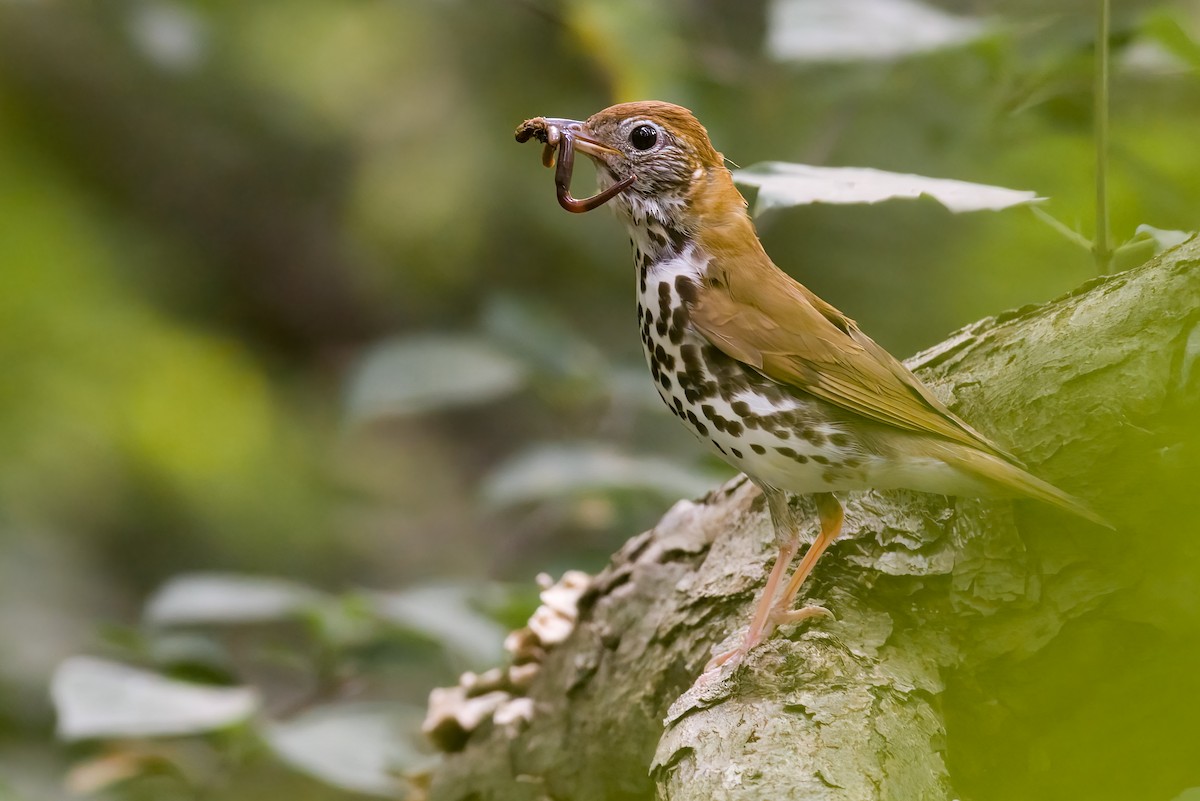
pixel 762 317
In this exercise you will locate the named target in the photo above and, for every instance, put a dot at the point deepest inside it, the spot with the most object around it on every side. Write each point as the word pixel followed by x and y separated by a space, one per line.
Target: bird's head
pixel 672 174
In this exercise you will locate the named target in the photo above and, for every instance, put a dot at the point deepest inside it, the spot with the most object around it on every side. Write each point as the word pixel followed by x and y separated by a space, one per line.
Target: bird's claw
pixel 778 617
pixel 783 617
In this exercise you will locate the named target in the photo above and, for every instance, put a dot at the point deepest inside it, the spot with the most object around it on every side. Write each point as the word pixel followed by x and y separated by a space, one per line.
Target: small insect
pixel 557 134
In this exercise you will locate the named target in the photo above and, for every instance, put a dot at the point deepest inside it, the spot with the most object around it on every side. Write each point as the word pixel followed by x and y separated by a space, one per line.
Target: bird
pixel 773 379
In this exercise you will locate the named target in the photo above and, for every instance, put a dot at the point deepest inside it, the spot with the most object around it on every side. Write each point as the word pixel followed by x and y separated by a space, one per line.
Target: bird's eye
pixel 643 137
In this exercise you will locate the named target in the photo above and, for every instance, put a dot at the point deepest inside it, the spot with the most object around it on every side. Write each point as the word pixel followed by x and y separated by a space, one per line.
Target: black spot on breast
pixel 695 421
pixel 665 380
pixel 741 408
pixel 819 459
pixel 759 449
pixel 708 411
pixel 736 452
pixel 691 358
pixel 677 403
pixel 840 440
pixel 733 427
pixel 717 445
pixel 686 288
pixel 679 319
pixel 678 240
pixel 791 454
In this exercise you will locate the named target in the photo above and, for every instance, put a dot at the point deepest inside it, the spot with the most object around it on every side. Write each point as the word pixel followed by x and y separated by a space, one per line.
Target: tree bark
pixel 980 649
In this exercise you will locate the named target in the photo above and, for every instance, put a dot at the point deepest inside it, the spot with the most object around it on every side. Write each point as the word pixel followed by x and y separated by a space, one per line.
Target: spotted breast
pixel 763 428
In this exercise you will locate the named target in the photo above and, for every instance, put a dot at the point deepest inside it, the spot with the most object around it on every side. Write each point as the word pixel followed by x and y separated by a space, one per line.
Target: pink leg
pixel 761 622
pixel 832 515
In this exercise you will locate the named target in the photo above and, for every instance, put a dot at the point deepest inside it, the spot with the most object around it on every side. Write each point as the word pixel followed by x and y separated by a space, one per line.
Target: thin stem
pixel 1050 220
pixel 1101 248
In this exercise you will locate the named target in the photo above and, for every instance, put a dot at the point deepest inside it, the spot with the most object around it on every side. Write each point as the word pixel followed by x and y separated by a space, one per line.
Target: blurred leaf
pixel 1162 238
pixel 169 34
pixel 360 747
pixel 1146 243
pixel 541 335
pixel 1164 29
pixel 98 698
pixel 227 598
pixel 781 184
pixel 345 622
pixel 862 30
pixel 428 372
pixel 445 613
pixel 552 471
pixel 191 656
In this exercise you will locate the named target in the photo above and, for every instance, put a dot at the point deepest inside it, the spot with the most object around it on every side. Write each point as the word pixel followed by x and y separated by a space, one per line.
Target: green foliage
pixel 280 296
pixel 782 185
pixel 240 662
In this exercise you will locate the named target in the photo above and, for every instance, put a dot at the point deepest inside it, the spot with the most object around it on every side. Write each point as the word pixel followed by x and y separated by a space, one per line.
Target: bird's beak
pixel 565 136
pixel 583 143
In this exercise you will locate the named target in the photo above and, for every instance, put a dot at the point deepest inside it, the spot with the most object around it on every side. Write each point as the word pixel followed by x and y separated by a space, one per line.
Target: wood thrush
pixel 779 383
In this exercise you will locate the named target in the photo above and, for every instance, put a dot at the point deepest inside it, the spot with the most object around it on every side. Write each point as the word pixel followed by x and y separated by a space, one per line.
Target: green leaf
pixel 1163 239
pixel 781 184
pixel 1163 28
pixel 446 614
pixel 552 471
pixel 97 698
pixel 429 372
pixel 364 748
pixel 863 30
pixel 543 337
pixel 228 598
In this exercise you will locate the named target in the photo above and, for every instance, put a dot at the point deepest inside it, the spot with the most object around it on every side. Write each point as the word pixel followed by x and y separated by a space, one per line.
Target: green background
pixel 280 295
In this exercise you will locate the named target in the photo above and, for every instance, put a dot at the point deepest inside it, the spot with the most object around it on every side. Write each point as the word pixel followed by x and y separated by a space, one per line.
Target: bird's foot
pixel 782 617
pixel 778 617
pixel 735 655
pixel 732 656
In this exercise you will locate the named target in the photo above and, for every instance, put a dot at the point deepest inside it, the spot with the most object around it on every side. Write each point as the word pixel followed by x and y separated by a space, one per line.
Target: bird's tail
pixel 1016 480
